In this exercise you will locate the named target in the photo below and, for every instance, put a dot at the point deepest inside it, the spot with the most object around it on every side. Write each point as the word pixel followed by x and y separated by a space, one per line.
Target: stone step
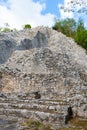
pixel 38 101
pixel 30 114
pixel 40 109
pixel 8 123
pixel 35 106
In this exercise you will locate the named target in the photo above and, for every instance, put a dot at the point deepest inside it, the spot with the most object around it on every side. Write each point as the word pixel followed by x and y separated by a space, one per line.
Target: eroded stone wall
pixel 54 65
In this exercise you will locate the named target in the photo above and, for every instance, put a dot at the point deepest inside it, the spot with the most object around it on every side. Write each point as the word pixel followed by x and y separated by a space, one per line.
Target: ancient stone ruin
pixel 42 74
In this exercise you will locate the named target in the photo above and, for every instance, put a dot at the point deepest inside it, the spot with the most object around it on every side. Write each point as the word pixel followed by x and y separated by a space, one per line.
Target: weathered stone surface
pixel 45 61
pixel 38 41
pixel 7 46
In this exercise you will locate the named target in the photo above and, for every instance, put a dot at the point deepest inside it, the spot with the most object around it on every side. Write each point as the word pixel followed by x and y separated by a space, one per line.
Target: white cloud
pixel 21 12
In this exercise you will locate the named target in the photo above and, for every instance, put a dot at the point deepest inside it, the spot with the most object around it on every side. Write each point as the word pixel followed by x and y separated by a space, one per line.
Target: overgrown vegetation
pixel 74 124
pixel 7 28
pixel 66 26
pixel 35 125
pixel 69 27
pixel 27 26
pixel 73 29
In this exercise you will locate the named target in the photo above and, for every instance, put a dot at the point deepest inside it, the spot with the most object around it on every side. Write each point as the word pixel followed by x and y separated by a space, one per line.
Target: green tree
pixel 81 34
pixel 80 25
pixel 27 26
pixel 66 26
pixel 6 30
pixel 73 29
pixel 57 26
pixel 81 38
pixel 0 29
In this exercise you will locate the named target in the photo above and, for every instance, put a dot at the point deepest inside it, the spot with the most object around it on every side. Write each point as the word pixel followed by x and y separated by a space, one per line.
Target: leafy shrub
pixel 27 26
pixel 6 30
pixel 81 38
pixel 73 29
pixel 66 26
pixel 35 125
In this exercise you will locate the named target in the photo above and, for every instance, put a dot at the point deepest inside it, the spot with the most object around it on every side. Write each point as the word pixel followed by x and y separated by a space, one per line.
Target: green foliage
pixel 66 26
pixel 6 30
pixel 80 25
pixel 0 29
pixel 81 38
pixel 81 35
pixel 27 26
pixel 73 29
pixel 35 125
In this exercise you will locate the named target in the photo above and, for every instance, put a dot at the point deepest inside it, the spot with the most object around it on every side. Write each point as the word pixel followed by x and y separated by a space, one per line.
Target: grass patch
pixel 75 124
pixel 35 125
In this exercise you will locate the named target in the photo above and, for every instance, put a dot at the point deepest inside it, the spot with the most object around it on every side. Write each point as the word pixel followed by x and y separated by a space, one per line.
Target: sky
pixel 34 12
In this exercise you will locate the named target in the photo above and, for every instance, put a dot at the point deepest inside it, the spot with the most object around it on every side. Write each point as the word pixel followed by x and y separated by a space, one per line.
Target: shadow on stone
pixel 37 42
pixel 37 95
pixel 69 115
pixel 2 95
pixel 6 49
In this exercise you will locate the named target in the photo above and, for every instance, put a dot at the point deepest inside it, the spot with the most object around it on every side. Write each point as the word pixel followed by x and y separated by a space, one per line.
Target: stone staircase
pixel 45 110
